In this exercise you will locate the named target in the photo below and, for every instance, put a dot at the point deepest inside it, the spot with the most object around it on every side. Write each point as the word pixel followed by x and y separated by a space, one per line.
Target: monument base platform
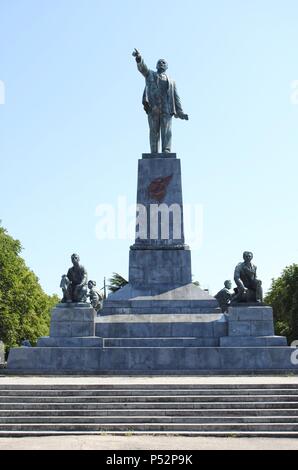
pixel 175 326
pixel 240 342
pixel 160 299
pixel 77 342
pixel 152 360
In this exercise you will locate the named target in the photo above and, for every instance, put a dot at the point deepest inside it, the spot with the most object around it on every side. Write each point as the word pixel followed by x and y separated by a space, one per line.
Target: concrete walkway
pixel 110 442
pixel 143 380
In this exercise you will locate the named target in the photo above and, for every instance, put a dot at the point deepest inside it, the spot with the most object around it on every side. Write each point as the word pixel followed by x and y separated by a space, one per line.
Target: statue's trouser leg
pixel 239 297
pixel 83 294
pixel 76 294
pixel 166 132
pixel 259 293
pixel 80 293
pixel 69 294
pixel 154 126
pixel 257 290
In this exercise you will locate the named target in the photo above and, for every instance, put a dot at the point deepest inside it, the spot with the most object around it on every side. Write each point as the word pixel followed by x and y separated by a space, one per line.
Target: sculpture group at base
pixel 75 285
pixel 224 296
pixel 249 288
pixel 94 295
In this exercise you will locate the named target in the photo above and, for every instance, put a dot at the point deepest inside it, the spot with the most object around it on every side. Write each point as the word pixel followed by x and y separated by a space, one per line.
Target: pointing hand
pixel 136 53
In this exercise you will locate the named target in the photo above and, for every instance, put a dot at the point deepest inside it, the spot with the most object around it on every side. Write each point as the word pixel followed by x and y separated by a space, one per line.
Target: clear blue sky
pixel 72 127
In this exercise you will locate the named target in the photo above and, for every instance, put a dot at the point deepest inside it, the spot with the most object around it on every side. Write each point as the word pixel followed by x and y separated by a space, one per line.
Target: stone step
pixel 152 372
pixel 143 392
pixel 146 405
pixel 152 361
pixel 105 427
pixel 180 308
pixel 159 342
pixel 164 342
pixel 165 304
pixel 135 409
pixel 144 398
pixel 240 341
pixel 206 413
pixel 161 326
pixel 270 434
pixel 158 386
pixel 122 420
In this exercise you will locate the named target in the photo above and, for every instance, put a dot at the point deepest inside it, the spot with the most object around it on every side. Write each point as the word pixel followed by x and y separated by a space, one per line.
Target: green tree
pixel 116 282
pixel 24 307
pixel 283 297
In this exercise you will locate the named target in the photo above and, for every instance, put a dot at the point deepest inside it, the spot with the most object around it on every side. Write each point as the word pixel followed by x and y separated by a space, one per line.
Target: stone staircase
pixel 214 410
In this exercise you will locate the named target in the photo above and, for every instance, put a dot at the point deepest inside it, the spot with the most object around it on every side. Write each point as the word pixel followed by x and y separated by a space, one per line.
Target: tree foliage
pixel 116 282
pixel 24 307
pixel 283 297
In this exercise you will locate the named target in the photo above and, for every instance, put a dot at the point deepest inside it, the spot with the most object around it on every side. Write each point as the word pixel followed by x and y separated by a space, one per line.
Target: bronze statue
pixel 94 295
pixel 74 284
pixel 161 101
pixel 224 296
pixel 64 286
pixel 249 288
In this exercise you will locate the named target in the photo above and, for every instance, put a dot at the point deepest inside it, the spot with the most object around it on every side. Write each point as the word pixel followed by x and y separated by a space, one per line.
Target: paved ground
pixel 120 380
pixel 97 442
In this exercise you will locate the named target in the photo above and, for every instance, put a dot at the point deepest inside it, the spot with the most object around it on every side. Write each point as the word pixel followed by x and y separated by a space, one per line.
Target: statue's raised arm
pixel 142 67
pixel 137 55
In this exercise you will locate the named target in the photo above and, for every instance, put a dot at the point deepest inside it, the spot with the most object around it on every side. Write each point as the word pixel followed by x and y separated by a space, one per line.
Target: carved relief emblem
pixel 157 189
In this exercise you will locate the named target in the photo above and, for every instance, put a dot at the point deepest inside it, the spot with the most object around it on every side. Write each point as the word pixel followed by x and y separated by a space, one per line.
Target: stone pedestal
pixel 149 268
pixel 251 326
pixel 159 221
pixel 72 325
pixel 72 336
pixel 160 279
pixel 70 320
pixel 159 257
pixel 184 343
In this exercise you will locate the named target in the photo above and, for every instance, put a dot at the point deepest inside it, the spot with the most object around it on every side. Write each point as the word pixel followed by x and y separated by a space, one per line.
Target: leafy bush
pixel 283 297
pixel 24 306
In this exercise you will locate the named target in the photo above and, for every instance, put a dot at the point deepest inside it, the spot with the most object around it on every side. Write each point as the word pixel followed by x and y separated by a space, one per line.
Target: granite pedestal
pixel 72 320
pixel 160 279
pixel 161 343
pixel 72 325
